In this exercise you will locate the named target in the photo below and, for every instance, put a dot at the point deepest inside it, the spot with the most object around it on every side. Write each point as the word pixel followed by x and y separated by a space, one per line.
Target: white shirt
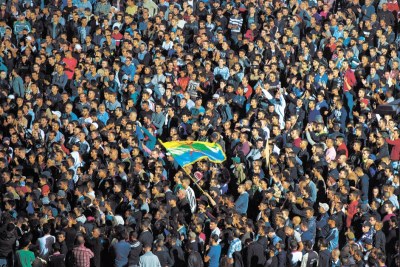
pixel 45 245
pixel 191 198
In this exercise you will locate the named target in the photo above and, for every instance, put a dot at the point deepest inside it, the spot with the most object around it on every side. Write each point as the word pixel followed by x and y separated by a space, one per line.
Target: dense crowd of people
pixel 290 89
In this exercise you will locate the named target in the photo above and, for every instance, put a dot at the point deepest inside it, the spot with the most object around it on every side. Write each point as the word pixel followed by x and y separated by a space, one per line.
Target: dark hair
pixel 56 247
pixel 46 228
pixel 10 227
pixel 25 240
pixel 214 237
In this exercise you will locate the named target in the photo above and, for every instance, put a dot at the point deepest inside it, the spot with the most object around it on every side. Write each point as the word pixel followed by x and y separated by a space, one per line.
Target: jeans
pixel 234 37
pixel 350 103
pixel 3 262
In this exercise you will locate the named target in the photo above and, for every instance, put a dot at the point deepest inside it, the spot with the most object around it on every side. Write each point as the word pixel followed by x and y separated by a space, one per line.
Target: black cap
pixel 367 224
pixel 45 174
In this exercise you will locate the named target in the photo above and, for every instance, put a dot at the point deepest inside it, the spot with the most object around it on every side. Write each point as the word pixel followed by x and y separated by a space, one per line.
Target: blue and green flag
pixel 189 152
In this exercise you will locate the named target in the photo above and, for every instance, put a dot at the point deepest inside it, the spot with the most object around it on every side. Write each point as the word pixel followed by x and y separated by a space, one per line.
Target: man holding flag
pixel 189 193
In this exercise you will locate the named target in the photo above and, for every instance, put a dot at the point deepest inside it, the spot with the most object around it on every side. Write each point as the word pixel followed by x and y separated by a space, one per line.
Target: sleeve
pixel 239 205
pixel 91 254
pixel 330 236
pixel 228 113
pixel 159 124
pixel 230 251
pixel 364 188
pixel 351 211
pixel 190 261
pixel 282 260
pixel 21 85
pixel 241 175
pixel 210 253
pixel 283 101
pixel 146 60
pixel 297 211
pixel 343 118
pixel 393 142
pixel 297 236
pixel 169 260
pixel 309 139
pixel 352 77
pixel 148 134
pixel 226 73
pixel 267 94
pixel 304 261
pixel 215 72
pixel 321 223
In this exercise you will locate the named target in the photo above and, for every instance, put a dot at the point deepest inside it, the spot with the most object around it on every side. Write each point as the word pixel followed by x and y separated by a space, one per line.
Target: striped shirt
pixel 191 198
pixel 236 21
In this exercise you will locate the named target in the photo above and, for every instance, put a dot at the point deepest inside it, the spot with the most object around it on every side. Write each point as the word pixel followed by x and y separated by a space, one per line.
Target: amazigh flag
pixel 189 152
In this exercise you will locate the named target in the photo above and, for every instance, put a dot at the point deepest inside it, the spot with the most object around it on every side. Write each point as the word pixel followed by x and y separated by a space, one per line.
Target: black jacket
pixel 56 261
pixel 134 254
pixel 178 256
pixel 165 258
pixel 7 243
pixel 255 256
pixel 380 240
pixel 95 245
pixel 282 259
pixel 57 31
pixel 195 260
pixel 324 258
pixel 146 237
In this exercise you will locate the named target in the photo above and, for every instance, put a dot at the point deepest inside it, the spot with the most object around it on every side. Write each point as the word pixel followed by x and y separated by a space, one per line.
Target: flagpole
pixel 267 154
pixel 185 170
pixel 191 178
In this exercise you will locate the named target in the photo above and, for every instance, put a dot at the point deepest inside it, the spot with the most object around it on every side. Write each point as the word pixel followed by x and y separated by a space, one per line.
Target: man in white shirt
pixel 46 242
pixel 189 194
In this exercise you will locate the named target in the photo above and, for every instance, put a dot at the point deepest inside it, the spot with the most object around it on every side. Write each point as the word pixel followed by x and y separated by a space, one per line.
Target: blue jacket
pixel 129 70
pixel 242 203
pixel 151 141
pixel 312 225
pixel 103 117
pixel 322 225
pixel 224 72
pixel 121 251
pixel 333 239
pixel 17 85
pixel 60 80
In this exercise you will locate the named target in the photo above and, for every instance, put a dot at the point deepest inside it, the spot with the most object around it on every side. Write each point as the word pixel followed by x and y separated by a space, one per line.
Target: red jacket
pixel 395 155
pixel 351 211
pixel 70 65
pixel 343 147
pixel 351 80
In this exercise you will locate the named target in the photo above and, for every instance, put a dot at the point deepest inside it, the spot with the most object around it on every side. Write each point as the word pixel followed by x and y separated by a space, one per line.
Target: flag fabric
pixel 189 152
